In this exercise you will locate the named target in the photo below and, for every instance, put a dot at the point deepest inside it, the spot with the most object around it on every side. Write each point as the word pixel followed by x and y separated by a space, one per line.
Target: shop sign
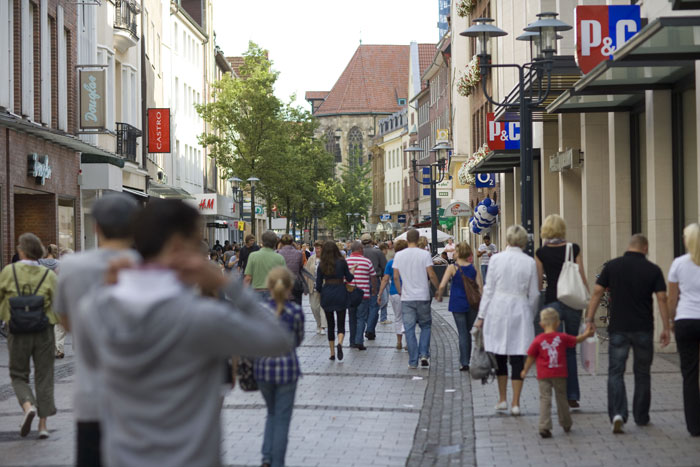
pixel 458 209
pixel 92 100
pixel 502 135
pixel 444 194
pixel 158 130
pixel 385 217
pixel 601 30
pixel 207 203
pixel 241 225
pixel 39 168
pixel 485 180
pixel 401 218
pixel 259 211
pixel 443 136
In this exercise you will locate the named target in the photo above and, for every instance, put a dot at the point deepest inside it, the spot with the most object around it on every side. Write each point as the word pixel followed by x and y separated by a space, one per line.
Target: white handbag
pixel 570 289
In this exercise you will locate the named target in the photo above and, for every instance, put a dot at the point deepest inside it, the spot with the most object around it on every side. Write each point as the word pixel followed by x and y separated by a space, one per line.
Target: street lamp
pixel 316 209
pixel 349 215
pixel 237 195
pixel 437 175
pixel 544 40
pixel 252 181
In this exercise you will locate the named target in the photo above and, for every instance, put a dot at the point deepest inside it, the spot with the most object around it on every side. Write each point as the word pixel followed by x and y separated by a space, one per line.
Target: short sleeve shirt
pixel 686 274
pixel 361 267
pixel 549 352
pixel 389 271
pixel 260 263
pixel 485 258
pixel 632 280
pixel 412 264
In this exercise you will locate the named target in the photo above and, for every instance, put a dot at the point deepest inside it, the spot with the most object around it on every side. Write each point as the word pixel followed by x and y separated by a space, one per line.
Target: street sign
pixel 601 30
pixel 385 217
pixel 502 135
pixel 259 210
pixel 485 180
pixel 401 218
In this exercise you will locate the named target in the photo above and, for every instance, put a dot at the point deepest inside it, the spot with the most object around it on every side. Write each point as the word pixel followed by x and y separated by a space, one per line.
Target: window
pixel 402 101
pixel 177 94
pixel 6 54
pixel 66 224
pixel 354 145
pixel 178 159
pixel 176 42
pixel 45 60
pixel 62 65
pixel 331 146
pixel 27 59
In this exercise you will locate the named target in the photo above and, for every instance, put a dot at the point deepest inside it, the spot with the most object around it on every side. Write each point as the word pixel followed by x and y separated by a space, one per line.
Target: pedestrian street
pixel 371 410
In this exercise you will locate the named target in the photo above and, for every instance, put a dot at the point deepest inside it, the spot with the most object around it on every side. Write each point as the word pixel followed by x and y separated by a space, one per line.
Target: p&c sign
pixel 601 30
pixel 502 135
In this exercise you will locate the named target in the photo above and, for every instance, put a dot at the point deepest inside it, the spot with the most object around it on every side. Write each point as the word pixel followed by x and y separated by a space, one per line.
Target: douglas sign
pixel 601 30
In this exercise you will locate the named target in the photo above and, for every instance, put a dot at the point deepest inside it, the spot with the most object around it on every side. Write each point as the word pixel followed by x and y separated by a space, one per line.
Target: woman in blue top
pixel 459 306
pixel 277 376
pixel 394 297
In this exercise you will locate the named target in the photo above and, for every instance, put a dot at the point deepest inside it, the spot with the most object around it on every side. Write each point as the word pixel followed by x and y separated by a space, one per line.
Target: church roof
pixel 373 82
pixel 316 95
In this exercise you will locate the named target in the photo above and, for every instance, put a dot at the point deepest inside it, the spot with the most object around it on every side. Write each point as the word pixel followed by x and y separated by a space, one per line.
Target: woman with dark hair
pixel 330 281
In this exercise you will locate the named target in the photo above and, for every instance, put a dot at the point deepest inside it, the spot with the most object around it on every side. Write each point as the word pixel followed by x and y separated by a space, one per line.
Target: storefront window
pixel 690 159
pixel 66 224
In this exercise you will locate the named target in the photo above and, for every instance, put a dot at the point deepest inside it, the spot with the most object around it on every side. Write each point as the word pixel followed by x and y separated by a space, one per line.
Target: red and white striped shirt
pixel 363 270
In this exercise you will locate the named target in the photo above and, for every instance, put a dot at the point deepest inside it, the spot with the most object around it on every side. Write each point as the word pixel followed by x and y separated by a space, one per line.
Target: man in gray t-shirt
pixel 81 273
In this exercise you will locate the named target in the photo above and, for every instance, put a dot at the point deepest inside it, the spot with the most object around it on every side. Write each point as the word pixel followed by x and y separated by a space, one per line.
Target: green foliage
pixel 350 193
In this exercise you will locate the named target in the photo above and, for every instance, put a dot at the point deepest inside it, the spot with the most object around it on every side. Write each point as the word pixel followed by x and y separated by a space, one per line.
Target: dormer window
pixel 402 101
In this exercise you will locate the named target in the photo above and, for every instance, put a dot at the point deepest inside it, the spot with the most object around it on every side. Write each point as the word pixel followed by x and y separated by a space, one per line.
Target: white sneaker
pixel 501 406
pixel 618 424
pixel 425 363
pixel 323 331
pixel 319 331
pixel 44 434
pixel 515 410
pixel 26 425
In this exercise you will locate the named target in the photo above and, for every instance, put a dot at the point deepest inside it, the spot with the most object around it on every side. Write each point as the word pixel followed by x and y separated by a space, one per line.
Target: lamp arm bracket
pixel 483 81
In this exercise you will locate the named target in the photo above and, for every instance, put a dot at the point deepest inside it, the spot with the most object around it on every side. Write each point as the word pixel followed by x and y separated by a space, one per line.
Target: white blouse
pixel 507 307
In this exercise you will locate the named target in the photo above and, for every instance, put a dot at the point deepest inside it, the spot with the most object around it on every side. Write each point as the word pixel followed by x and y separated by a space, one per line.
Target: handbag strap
pixel 41 281
pixel 14 273
pixel 569 253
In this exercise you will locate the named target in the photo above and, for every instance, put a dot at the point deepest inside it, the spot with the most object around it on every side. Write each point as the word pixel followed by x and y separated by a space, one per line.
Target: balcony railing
pixel 125 15
pixel 126 141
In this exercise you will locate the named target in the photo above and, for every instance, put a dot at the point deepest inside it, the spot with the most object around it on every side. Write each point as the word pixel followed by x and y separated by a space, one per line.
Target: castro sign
pixel 601 30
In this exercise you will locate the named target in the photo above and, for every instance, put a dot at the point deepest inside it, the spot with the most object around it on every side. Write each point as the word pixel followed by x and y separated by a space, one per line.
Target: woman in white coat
pixel 506 313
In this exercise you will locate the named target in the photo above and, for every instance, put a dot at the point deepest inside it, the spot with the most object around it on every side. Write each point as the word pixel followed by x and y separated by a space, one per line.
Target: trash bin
pixel 440 270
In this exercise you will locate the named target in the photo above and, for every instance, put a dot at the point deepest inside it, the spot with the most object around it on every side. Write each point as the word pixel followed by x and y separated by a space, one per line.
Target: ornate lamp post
pixel 544 39
pixel 237 195
pixel 437 175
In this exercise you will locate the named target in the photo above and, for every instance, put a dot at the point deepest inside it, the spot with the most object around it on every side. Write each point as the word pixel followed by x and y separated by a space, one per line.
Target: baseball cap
pixel 366 238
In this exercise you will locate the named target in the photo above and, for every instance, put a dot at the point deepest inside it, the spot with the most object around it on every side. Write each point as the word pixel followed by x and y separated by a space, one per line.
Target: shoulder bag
pixel 471 288
pixel 483 364
pixel 570 289
pixel 27 314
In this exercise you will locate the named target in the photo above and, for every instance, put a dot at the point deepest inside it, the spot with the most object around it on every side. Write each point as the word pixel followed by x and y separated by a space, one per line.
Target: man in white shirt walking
pixel 413 267
pixel 486 251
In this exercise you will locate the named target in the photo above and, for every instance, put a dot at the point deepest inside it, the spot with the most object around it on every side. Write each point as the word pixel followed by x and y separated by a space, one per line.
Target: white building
pixel 393 130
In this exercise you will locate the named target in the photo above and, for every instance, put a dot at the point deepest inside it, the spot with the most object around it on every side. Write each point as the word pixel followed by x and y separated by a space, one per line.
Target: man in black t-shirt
pixel 247 249
pixel 633 281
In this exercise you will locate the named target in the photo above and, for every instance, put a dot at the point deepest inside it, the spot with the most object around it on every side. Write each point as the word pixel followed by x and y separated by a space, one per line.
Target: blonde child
pixel 277 376
pixel 548 351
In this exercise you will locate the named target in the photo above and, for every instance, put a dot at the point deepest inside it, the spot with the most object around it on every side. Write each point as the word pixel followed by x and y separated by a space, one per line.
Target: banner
pixel 92 100
pixel 158 130
pixel 502 135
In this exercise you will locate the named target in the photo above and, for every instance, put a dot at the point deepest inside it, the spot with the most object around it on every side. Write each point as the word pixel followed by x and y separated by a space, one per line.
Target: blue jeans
pixel 373 315
pixel 279 399
pixel 383 314
pixel 362 321
pixel 464 322
pixel 484 270
pixel 642 344
pixel 417 312
pixel 352 324
pixel 570 323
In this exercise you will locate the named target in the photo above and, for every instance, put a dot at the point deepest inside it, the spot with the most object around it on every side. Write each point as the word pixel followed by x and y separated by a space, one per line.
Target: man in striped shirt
pixel 363 271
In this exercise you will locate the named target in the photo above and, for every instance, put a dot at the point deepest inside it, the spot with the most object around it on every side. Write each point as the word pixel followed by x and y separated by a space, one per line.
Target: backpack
pixel 483 364
pixel 27 314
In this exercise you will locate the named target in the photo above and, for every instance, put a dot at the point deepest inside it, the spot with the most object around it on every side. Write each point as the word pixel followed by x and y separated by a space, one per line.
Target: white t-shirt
pixel 484 259
pixel 450 250
pixel 687 274
pixel 412 264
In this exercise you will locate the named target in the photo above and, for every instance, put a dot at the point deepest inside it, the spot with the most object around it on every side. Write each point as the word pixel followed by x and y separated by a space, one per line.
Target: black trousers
pixel 688 342
pixel 330 318
pixel 88 434
pixel 517 363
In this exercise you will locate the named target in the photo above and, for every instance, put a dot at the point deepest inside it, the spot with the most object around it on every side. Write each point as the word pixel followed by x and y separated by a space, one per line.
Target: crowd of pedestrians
pixel 156 316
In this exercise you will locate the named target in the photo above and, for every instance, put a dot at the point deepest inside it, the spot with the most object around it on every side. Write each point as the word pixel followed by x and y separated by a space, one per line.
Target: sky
pixel 311 41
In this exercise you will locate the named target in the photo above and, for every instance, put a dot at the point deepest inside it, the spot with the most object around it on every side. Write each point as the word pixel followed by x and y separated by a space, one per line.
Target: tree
pixel 350 193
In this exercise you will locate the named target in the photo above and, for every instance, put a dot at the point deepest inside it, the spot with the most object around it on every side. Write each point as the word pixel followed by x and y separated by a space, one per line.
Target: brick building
pixel 39 154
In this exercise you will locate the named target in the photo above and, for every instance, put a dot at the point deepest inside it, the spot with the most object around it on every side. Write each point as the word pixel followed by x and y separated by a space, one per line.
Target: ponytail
pixel 279 283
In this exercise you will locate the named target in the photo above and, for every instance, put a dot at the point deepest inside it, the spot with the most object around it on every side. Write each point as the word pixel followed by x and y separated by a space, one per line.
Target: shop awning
pixel 162 190
pixel 565 73
pixel 659 56
pixel 51 135
pixel 138 193
pixel 501 161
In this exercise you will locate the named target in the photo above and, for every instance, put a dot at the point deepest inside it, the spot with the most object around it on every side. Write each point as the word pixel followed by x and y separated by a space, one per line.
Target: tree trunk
pixel 287 211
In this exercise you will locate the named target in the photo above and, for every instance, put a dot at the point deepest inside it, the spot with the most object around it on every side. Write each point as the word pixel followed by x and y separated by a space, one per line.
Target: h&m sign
pixel 502 135
pixel 39 168
pixel 158 130
pixel 207 203
pixel 601 30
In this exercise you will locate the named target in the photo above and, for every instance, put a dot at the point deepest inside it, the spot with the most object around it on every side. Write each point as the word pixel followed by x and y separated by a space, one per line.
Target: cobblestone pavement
pixel 372 410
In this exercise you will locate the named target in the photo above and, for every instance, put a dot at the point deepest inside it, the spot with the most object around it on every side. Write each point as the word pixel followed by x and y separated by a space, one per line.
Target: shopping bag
pixel 483 364
pixel 589 355
pixel 570 288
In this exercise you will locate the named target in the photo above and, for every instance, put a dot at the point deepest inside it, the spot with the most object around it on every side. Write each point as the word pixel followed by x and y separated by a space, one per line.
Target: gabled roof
pixel 373 82
pixel 426 52
pixel 316 95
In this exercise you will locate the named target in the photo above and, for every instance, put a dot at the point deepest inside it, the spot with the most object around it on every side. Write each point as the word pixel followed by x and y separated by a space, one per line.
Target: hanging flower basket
pixel 465 178
pixel 470 79
pixel 465 7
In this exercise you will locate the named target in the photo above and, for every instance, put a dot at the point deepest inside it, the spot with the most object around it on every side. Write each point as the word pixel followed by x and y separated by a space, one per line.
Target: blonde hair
pixel 549 317
pixel 464 250
pixel 279 282
pixel 691 236
pixel 516 235
pixel 52 250
pixel 422 242
pixel 554 226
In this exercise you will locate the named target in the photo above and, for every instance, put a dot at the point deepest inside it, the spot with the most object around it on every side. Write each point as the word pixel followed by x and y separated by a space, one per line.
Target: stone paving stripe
pixel 339 408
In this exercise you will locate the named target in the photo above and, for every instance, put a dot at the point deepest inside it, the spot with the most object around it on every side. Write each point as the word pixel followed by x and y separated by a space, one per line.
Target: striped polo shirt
pixel 363 271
